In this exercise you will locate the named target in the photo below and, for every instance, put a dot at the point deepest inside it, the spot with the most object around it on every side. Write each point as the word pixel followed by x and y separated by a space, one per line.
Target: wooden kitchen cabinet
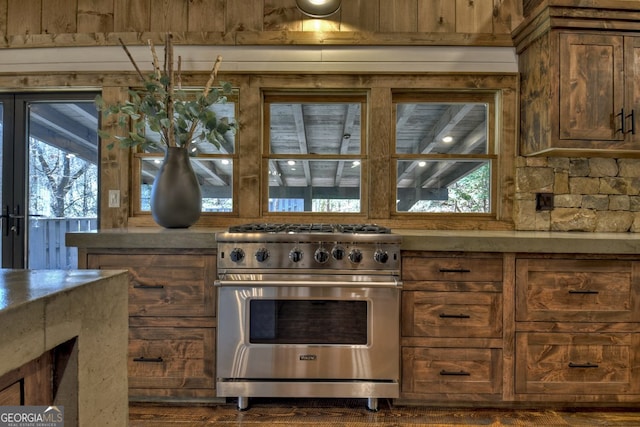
pixel 577 290
pixel 451 371
pixel 562 366
pixel 578 90
pixel 577 330
pixel 30 384
pixel 172 321
pixel 452 326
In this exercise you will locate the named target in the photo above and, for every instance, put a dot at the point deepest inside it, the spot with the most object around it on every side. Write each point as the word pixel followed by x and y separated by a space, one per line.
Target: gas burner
pixel 309 228
pixel 363 228
pixel 257 228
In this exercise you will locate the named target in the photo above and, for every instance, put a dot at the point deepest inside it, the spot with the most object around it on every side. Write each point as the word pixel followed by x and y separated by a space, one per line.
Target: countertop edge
pixel 20 288
pixel 413 240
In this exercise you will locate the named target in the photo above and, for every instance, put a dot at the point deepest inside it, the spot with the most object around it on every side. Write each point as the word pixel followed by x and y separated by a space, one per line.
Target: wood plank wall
pixel 58 23
pixel 41 23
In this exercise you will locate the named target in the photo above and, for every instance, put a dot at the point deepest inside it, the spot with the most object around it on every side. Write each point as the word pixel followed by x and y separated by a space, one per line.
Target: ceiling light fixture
pixel 318 8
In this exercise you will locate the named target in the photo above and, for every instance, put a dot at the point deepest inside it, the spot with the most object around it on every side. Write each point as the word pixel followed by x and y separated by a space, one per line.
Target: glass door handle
pixel 15 217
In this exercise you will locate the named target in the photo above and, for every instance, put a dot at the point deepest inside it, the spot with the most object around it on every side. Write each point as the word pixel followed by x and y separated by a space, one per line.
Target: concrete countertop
pixel 418 240
pixel 22 287
pixel 83 314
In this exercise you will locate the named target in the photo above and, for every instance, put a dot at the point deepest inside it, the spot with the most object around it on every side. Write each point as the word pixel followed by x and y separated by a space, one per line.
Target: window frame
pixel 448 96
pixel 311 96
pixel 137 157
pixel 378 194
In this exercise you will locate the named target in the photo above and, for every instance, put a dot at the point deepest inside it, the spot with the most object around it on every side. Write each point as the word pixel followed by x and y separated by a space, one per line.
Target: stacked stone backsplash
pixel 588 194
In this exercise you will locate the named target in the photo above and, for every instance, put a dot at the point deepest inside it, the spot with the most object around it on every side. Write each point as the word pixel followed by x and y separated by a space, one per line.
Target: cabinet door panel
pixel 577 290
pixel 171 357
pixel 165 285
pixel 452 314
pixel 582 364
pixel 444 371
pixel 591 87
pixel 451 269
pixel 11 395
pixel 632 74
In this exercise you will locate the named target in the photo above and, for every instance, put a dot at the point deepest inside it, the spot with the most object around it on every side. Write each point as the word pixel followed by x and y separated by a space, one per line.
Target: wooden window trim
pixel 476 96
pixel 311 96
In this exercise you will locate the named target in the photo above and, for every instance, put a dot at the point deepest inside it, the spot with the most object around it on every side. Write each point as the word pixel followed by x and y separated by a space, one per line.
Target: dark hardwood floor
pixel 353 413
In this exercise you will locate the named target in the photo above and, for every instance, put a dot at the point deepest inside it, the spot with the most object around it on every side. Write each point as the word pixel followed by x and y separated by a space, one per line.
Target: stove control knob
pixel 295 255
pixel 236 255
pixel 262 255
pixel 321 255
pixel 355 256
pixel 380 256
pixel 337 252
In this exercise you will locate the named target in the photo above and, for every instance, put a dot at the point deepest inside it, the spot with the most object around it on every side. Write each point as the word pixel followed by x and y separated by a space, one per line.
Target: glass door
pixel 50 177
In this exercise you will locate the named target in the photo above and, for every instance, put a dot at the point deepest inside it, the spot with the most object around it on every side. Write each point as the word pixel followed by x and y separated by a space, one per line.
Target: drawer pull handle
pixel 455 270
pixel 148 359
pixel 454 316
pixel 455 373
pixel 141 286
pixel 585 291
pixel 583 365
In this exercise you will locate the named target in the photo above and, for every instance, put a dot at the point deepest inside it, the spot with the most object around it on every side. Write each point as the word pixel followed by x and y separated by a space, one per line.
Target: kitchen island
pixel 64 343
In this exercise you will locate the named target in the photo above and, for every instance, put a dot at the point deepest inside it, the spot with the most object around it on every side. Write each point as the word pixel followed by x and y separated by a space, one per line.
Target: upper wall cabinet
pixel 578 95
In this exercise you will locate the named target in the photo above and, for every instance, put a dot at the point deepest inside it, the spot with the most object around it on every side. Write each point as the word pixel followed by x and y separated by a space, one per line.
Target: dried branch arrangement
pixel 180 117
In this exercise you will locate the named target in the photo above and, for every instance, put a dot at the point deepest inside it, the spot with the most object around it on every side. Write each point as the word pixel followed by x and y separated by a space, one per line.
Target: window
pixel 214 166
pixel 444 153
pixel 314 152
pixel 353 148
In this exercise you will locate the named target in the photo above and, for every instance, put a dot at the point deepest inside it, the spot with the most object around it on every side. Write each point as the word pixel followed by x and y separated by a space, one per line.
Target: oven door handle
pixel 309 283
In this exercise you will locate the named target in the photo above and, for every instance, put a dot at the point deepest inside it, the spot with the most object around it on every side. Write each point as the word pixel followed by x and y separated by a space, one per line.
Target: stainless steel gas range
pixel 308 310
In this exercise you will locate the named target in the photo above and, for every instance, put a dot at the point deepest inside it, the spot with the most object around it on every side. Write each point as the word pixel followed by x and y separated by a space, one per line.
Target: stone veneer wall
pixel 589 194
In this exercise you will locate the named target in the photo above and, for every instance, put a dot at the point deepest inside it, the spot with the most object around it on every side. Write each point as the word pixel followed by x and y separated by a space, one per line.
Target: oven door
pixel 296 330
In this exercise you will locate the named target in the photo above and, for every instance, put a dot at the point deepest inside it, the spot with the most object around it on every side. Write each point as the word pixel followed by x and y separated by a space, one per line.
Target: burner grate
pixel 363 228
pixel 310 228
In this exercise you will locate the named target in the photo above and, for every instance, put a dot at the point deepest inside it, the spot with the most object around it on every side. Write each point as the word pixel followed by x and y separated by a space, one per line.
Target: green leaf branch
pixel 179 117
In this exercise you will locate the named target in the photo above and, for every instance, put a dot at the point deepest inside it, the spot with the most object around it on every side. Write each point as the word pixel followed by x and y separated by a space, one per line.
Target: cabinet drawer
pixel 577 290
pixel 578 364
pixel 452 269
pixel 452 314
pixel 163 358
pixel 445 371
pixel 165 285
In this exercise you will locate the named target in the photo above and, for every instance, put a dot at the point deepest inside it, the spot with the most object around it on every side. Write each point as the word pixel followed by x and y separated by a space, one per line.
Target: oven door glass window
pixel 328 322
